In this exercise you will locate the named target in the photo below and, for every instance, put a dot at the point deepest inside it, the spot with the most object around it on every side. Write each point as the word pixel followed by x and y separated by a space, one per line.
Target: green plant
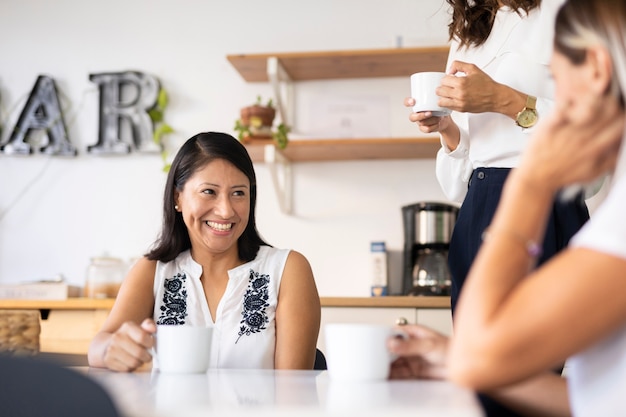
pixel 160 127
pixel 270 102
pixel 279 134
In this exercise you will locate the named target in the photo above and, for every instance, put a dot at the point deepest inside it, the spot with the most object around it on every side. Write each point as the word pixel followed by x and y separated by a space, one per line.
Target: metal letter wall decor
pixel 125 96
pixel 125 100
pixel 42 111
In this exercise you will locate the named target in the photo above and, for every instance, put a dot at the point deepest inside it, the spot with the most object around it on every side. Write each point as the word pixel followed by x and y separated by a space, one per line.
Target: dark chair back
pixel 320 361
pixel 33 388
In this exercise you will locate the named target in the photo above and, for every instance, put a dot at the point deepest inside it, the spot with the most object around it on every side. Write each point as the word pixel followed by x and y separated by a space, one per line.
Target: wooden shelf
pixel 369 63
pixel 299 66
pixel 283 69
pixel 315 150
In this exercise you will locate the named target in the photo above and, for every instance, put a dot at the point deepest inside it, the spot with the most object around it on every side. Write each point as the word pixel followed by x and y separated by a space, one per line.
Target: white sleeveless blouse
pixel 244 330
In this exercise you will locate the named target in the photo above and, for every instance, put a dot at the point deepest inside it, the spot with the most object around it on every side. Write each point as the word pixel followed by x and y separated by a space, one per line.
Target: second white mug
pixel 358 352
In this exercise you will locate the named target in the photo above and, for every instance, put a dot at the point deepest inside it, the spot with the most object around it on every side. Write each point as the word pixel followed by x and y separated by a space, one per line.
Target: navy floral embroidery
pixel 174 305
pixel 254 305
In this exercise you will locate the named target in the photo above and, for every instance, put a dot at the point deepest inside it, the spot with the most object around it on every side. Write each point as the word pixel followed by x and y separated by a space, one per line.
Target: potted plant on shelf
pixel 257 122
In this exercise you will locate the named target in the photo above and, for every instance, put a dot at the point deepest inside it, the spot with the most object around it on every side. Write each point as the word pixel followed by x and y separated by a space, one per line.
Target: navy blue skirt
pixel 479 206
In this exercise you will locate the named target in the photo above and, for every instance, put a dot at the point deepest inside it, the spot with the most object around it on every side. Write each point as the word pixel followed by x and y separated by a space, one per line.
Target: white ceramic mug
pixel 358 352
pixel 423 86
pixel 183 349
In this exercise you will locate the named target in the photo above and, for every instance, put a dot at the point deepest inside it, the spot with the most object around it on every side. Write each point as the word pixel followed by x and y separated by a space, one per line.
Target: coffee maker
pixel 427 231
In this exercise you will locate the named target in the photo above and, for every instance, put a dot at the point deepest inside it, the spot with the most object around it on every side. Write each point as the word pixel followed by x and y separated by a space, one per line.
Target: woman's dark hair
pixel 472 20
pixel 196 153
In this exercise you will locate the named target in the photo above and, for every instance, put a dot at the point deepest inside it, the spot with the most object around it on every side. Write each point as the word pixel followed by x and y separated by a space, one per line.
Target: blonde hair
pixel 581 24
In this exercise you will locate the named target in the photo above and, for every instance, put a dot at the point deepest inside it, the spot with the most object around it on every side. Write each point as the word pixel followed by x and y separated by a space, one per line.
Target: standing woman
pixel 210 267
pixel 498 86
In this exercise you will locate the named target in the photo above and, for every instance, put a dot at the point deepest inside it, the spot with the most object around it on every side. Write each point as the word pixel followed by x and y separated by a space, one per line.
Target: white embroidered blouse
pixel 244 329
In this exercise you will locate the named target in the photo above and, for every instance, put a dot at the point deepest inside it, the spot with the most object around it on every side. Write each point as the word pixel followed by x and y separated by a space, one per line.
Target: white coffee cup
pixel 358 352
pixel 183 349
pixel 423 86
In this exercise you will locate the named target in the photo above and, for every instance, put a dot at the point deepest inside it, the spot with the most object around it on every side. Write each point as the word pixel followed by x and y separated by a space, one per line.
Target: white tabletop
pixel 279 393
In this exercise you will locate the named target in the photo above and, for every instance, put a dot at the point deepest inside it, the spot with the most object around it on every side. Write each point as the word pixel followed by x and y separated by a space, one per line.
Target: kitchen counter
pixel 68 326
pixel 69 304
pixel 388 301
pixel 107 304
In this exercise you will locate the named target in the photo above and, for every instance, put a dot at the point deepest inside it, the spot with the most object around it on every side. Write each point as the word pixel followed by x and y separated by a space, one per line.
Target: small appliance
pixel 427 230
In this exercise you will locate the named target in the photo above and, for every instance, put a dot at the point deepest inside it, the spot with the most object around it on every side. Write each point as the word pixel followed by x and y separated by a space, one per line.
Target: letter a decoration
pixel 42 111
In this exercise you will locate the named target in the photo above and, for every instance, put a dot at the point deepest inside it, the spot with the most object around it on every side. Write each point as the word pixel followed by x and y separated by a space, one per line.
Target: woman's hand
pixel 129 346
pixel 468 89
pixel 422 354
pixel 565 150
pixel 426 121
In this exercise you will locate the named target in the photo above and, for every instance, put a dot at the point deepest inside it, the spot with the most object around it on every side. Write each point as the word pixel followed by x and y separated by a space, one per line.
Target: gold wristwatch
pixel 528 116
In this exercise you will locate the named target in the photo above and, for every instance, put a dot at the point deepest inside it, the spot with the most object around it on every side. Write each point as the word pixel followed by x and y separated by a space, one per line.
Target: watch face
pixel 527 118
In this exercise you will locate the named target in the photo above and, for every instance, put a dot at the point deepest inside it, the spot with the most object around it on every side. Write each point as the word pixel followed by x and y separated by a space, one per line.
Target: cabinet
pixel 67 326
pixel 70 331
pixel 282 69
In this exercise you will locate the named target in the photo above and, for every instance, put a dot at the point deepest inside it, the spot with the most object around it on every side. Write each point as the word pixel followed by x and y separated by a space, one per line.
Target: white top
pixel 597 376
pixel 517 53
pixel 244 329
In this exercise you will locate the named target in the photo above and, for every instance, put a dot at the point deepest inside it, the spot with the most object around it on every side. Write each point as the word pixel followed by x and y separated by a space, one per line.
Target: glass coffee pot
pixel 430 275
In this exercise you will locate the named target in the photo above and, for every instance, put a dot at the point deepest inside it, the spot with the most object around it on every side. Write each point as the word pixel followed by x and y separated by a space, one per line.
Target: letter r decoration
pixel 125 99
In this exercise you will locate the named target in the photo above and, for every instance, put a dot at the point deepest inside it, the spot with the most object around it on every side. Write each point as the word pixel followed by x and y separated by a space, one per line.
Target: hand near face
pixel 422 354
pixel 129 346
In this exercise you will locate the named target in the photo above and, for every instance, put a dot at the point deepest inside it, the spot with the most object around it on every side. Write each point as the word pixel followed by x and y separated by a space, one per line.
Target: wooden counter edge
pixel 68 304
pixel 387 301
pixel 107 304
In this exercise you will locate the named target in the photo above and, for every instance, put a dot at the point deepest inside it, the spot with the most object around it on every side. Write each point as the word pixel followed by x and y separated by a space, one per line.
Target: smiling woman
pixel 215 206
pixel 209 267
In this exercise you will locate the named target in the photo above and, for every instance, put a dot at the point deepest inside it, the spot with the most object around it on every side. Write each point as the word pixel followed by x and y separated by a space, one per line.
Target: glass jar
pixel 104 277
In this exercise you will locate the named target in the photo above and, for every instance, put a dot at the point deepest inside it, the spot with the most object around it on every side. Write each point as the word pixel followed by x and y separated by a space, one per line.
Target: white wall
pixel 56 213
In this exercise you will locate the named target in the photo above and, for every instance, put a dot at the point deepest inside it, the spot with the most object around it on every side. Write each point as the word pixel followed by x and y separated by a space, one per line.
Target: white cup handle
pixel 153 350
